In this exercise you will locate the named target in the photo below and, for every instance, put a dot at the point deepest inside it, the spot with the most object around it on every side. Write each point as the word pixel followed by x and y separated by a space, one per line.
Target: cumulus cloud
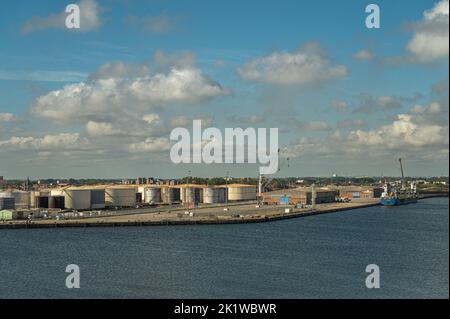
pixel 403 132
pixel 47 143
pixel 433 108
pixel 7 117
pixel 406 134
pixel 151 145
pixel 115 91
pixel 89 19
pixel 131 107
pixel 431 35
pixel 308 65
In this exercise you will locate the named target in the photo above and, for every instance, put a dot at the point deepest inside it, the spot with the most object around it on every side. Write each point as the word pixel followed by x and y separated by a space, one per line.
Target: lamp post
pixel 189 183
pixel 226 192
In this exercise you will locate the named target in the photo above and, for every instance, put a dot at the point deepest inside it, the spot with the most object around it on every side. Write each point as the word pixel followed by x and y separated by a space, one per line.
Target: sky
pixel 101 101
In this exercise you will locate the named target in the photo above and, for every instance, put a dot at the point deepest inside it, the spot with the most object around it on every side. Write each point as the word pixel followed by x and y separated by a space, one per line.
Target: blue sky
pixel 360 99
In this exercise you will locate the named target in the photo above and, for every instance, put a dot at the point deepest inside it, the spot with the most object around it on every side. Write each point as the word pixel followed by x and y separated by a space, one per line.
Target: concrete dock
pixel 236 214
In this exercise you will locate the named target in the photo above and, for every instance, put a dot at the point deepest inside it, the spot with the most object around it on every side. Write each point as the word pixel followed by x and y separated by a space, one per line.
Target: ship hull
pixel 397 202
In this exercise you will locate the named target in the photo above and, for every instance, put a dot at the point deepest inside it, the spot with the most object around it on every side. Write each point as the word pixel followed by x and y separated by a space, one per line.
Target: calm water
pixel 319 256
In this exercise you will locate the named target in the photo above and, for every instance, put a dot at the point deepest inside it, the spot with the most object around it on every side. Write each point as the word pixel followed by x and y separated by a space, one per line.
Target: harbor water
pixel 323 256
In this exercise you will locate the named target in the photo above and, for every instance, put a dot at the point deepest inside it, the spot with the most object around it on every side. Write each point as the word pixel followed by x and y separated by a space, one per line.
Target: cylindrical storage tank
pixel 57 202
pixel 120 197
pixel 222 194
pixel 211 195
pixel 6 202
pixel 192 195
pixel 170 195
pixel 97 198
pixel 21 199
pixel 78 199
pixel 152 195
pixel 241 192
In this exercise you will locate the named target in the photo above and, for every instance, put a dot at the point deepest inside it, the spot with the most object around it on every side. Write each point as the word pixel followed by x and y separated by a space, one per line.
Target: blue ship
pixel 394 196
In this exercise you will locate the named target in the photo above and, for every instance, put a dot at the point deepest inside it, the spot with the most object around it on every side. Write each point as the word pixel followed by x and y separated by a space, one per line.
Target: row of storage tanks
pixel 85 198
pixel 194 194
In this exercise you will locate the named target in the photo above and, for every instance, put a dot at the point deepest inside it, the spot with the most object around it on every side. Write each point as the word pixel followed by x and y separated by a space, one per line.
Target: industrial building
pixel 300 195
pixel 360 192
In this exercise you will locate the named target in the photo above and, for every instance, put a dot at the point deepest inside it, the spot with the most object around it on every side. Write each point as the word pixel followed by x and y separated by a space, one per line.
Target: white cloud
pixel 89 19
pixel 431 37
pixel 309 65
pixel 407 135
pixel 433 108
pixel 151 145
pixel 47 143
pixel 115 97
pixel 7 117
pixel 403 132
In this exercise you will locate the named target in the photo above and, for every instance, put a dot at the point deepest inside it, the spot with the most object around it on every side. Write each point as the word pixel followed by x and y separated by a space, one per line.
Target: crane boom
pixel 401 168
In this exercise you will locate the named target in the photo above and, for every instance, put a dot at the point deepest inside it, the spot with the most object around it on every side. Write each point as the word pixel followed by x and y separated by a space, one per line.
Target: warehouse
pixel 300 195
pixel 360 192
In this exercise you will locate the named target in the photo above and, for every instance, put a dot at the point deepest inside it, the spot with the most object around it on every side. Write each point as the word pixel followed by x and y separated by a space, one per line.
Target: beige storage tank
pixel 170 195
pixel 212 195
pixel 152 195
pixel 191 195
pixel 239 192
pixel 78 199
pixel 22 199
pixel 120 197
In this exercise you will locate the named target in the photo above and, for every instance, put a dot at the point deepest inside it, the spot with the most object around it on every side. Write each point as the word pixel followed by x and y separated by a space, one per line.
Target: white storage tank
pixel 152 195
pixel 120 197
pixel 76 198
pixel 192 195
pixel 239 192
pixel 211 195
pixel 170 195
